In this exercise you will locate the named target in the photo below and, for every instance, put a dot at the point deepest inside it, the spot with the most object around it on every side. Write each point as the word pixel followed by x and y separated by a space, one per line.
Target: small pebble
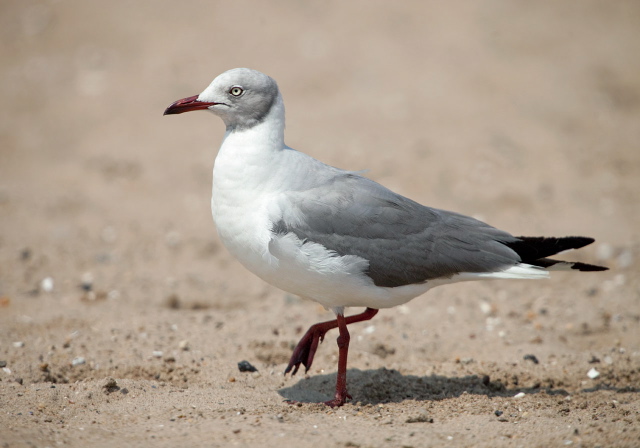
pixel 593 373
pixel 78 361
pixel 498 413
pixel 531 358
pixel 25 254
pixel 157 354
pixel 86 282
pixel 47 284
pixel 245 366
pixel 173 302
pixel 184 345
pixel 18 344
pixel 519 395
pixel 3 363
pixel 110 385
pixel 485 307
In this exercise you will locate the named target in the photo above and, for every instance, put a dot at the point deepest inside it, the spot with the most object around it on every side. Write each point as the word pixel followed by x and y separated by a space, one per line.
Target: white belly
pixel 305 269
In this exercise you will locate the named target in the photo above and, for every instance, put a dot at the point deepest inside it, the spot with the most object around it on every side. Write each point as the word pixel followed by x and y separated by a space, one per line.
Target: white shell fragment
pixel 47 284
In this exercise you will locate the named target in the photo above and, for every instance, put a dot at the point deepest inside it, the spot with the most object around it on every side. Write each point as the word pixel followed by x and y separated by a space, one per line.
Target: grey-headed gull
pixel 334 236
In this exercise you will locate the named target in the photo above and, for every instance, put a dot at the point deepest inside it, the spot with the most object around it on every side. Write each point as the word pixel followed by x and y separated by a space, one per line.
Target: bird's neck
pixel 267 135
pixel 249 156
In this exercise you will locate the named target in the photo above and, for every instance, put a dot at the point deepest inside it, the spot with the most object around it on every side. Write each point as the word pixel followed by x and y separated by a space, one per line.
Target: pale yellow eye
pixel 236 91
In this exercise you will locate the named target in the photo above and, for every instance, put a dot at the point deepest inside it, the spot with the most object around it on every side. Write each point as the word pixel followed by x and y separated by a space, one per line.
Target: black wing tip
pixel 579 241
pixel 584 267
pixel 534 248
pixel 569 242
pixel 548 263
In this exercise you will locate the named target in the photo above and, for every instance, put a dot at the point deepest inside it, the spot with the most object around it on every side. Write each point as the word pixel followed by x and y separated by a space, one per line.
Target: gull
pixel 337 237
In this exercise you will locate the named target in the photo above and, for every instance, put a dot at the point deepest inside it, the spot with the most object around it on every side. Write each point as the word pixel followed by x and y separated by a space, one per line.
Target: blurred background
pixel 524 114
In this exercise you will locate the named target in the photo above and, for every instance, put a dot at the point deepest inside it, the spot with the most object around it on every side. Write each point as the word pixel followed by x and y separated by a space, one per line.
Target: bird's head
pixel 242 97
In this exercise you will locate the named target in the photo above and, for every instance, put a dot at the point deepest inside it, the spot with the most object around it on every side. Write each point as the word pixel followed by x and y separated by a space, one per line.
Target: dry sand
pixel 525 114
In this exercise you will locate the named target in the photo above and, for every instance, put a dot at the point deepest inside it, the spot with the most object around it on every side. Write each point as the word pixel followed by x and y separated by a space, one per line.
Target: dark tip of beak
pixel 187 105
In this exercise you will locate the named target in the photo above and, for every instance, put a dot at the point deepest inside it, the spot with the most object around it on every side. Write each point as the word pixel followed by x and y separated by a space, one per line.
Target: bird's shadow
pixel 389 386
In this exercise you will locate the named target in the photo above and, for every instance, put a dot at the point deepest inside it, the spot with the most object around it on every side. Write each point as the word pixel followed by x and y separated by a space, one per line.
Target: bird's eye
pixel 236 91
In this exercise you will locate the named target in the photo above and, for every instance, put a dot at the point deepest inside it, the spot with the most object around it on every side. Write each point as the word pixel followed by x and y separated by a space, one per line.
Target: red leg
pixel 306 348
pixel 343 350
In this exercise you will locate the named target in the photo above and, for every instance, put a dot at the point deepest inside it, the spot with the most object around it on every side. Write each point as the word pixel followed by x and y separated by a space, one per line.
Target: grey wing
pixel 403 241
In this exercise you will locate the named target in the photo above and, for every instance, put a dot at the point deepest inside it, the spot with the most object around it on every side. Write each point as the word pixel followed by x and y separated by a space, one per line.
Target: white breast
pixel 237 204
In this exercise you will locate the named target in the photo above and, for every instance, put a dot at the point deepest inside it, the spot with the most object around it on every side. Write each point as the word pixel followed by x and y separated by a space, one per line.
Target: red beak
pixel 187 105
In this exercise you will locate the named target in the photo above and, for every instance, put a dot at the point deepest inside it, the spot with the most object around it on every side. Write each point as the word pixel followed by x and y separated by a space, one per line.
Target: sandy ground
pixel 122 318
